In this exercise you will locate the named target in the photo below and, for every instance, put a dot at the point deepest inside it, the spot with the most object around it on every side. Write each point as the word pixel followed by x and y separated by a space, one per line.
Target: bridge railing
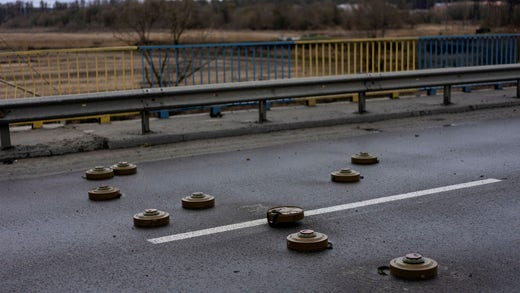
pixel 473 50
pixel 336 57
pixel 181 65
pixel 76 71
pixel 63 72
pixel 217 63
pixel 146 100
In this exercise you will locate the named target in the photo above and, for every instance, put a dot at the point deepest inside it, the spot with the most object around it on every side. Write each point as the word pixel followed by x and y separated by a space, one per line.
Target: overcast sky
pixel 37 2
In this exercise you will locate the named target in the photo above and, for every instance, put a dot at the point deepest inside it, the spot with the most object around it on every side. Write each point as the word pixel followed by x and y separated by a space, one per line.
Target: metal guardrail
pixel 144 101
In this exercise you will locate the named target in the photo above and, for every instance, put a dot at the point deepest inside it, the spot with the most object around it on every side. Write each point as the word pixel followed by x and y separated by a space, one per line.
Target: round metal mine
pixel 151 218
pixel 104 192
pixel 284 215
pixel 99 173
pixel 364 158
pixel 124 168
pixel 307 240
pixel 198 200
pixel 345 175
pixel 413 266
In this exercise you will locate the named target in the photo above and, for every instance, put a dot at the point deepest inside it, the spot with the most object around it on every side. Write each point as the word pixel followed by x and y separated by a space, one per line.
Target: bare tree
pixel 178 17
pixel 136 20
pixel 373 16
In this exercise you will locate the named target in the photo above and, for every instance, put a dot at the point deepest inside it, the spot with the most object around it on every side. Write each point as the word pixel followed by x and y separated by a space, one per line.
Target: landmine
pixel 104 192
pixel 413 266
pixel 151 218
pixel 307 241
pixel 345 175
pixel 99 173
pixel 284 215
pixel 124 168
pixel 364 158
pixel 198 200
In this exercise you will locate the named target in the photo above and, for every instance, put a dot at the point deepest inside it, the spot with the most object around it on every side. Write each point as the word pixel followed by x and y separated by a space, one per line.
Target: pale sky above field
pixel 36 2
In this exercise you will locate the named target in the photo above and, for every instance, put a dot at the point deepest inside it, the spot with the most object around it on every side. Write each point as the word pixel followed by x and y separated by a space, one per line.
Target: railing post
pixel 145 122
pixel 262 111
pixel 447 94
pixel 361 102
pixel 5 136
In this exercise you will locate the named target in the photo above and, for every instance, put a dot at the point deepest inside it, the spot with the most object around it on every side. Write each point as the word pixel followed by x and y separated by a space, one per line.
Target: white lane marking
pixel 419 193
pixel 331 209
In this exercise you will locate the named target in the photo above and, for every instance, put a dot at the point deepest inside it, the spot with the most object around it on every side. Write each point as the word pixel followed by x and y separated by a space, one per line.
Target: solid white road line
pixel 331 209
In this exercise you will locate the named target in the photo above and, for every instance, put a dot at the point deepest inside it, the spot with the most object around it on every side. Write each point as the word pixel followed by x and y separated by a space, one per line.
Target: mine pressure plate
pixel 151 218
pixel 124 168
pixel 284 215
pixel 104 192
pixel 413 266
pixel 99 173
pixel 345 175
pixel 364 158
pixel 198 200
pixel 307 240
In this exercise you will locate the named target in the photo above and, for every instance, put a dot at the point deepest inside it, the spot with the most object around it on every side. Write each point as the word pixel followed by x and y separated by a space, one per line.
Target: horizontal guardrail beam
pixel 43 108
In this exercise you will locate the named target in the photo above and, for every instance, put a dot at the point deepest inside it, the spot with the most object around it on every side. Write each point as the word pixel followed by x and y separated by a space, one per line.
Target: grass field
pixel 41 39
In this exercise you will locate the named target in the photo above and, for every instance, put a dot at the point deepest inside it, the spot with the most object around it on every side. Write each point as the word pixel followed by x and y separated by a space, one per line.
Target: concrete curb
pixel 91 142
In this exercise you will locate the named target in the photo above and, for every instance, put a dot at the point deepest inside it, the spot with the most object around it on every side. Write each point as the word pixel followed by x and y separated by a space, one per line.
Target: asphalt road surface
pixel 446 187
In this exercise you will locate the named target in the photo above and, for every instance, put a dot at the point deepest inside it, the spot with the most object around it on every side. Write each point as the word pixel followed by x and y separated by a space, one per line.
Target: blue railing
pixel 234 62
pixel 178 65
pixel 474 50
pixel 215 63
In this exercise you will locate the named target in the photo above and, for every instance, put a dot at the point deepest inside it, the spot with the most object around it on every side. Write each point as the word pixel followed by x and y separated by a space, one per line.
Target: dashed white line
pixel 326 210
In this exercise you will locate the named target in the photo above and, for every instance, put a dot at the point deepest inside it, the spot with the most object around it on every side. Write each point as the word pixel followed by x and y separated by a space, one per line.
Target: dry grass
pixel 42 39
pixel 28 40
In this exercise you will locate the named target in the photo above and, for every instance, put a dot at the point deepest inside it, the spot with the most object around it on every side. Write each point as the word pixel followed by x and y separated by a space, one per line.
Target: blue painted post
pixel 224 64
pixel 168 68
pixel 232 65
pixel 254 63
pixel 151 69
pixel 238 61
pixel 159 64
pixel 246 49
pixel 261 63
pixel 275 57
pixel 215 112
pixel 268 62
pixel 176 66
pixel 289 61
pixel 164 114
pixel 184 67
pixel 215 54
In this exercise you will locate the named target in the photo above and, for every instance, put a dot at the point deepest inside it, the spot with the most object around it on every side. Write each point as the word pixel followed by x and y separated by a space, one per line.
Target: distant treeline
pixel 142 16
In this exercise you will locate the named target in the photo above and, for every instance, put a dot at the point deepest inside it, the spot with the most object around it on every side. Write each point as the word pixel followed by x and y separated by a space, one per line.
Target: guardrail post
pixel 145 122
pixel 447 94
pixel 5 136
pixel 361 102
pixel 262 111
pixel 518 88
